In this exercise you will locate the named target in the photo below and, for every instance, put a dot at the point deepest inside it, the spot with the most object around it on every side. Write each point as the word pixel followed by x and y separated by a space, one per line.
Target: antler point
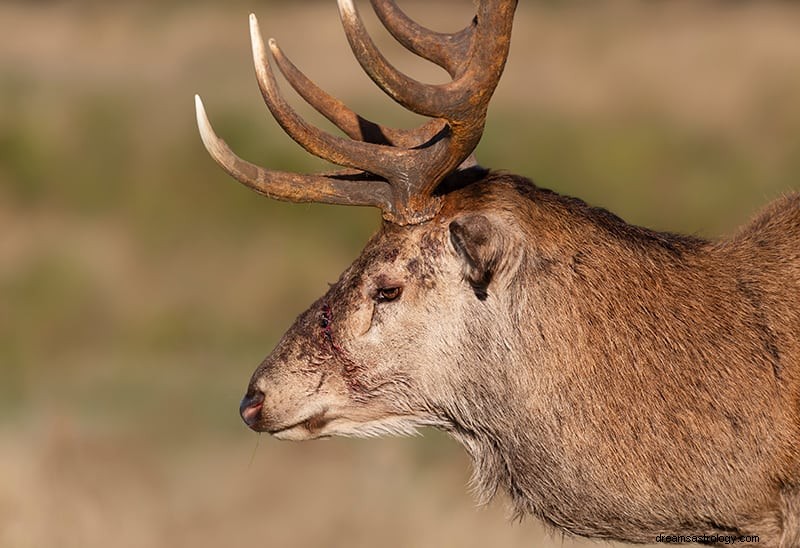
pixel 200 111
pixel 254 28
pixel 207 134
pixel 346 7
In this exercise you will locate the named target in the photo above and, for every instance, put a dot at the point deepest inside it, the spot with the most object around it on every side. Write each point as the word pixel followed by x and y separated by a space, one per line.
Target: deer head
pixel 369 356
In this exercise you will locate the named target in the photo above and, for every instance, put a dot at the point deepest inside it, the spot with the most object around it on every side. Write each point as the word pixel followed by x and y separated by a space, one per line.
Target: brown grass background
pixel 139 286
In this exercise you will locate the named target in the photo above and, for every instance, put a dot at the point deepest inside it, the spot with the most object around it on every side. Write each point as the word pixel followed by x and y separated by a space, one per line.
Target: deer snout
pixel 250 408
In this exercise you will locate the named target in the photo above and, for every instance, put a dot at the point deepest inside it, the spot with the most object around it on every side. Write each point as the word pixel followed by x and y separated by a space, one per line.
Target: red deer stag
pixel 618 383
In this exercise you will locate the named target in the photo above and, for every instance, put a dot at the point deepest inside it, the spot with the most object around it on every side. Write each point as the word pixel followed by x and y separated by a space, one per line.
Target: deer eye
pixel 387 294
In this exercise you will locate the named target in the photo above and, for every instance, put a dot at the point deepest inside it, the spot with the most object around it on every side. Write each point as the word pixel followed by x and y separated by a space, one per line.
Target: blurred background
pixel 140 286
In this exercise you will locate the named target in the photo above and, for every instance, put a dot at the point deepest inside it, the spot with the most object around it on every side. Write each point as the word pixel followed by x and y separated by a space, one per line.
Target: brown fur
pixel 618 383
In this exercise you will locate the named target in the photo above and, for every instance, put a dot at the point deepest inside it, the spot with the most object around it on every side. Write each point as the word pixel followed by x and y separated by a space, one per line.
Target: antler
pixel 392 169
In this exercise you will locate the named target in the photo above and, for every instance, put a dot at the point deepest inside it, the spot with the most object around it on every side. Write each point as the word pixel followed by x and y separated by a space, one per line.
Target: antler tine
pixel 455 99
pixel 446 50
pixel 381 160
pixel 490 48
pixel 353 125
pixel 333 189
pixel 412 94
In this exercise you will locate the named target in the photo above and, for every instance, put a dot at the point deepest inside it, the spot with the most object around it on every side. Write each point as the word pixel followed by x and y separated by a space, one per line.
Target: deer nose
pixel 250 408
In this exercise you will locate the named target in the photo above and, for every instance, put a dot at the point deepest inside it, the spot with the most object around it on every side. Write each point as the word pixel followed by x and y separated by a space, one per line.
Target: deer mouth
pixel 308 428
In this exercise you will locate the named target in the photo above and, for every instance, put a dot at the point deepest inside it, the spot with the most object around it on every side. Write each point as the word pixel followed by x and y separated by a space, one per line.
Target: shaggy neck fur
pixel 622 368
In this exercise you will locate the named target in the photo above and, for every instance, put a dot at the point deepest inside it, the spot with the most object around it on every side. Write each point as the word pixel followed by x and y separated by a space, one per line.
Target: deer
pixel 616 382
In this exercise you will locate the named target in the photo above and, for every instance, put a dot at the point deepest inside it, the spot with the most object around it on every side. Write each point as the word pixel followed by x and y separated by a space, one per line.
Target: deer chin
pixel 394 425
pixel 308 428
pixel 323 425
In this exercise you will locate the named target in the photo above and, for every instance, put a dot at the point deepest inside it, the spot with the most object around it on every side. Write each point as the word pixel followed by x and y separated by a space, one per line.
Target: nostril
pixel 251 405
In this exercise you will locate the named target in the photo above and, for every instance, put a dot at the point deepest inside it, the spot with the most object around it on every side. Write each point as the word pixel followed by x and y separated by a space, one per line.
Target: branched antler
pixel 393 169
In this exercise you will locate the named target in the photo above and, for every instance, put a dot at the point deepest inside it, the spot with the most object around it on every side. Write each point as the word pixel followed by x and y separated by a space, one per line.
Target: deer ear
pixel 476 240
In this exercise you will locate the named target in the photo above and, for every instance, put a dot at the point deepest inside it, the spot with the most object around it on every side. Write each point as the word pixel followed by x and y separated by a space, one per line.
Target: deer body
pixel 618 383
pixel 649 375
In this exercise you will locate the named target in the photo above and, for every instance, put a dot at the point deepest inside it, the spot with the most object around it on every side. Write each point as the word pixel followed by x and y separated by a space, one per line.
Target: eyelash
pixel 388 294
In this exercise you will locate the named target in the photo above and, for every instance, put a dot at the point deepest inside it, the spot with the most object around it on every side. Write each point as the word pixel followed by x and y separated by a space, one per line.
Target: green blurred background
pixel 140 286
